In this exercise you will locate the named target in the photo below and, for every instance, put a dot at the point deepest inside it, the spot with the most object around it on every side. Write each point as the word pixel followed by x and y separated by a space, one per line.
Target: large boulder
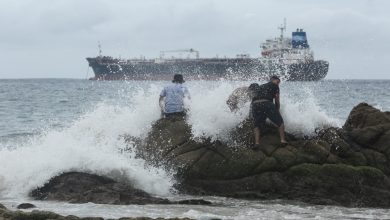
pixel 364 115
pixel 26 206
pixel 343 166
pixel 369 127
pixel 77 187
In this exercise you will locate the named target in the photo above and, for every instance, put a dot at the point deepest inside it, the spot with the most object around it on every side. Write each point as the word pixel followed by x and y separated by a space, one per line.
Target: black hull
pixel 207 69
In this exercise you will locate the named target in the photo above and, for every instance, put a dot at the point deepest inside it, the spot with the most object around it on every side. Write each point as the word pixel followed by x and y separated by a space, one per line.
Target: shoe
pixel 283 143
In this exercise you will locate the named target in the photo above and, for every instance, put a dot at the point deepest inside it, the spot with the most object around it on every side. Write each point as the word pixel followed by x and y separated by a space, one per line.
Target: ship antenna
pixel 100 48
pixel 282 29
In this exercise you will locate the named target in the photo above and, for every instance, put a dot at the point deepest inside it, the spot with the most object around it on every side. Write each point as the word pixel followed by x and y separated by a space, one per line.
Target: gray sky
pixel 51 38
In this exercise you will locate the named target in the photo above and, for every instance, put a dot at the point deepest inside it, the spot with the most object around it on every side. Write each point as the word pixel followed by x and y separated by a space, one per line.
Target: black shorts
pixel 263 110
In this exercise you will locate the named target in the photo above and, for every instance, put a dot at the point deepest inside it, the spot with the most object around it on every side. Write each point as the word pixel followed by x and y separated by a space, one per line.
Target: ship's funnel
pixel 299 39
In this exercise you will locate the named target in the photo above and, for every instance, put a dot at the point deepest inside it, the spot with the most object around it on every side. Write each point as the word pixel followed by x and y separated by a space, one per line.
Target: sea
pixel 50 126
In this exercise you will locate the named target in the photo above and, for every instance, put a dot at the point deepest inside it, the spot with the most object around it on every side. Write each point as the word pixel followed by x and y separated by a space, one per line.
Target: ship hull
pixel 207 69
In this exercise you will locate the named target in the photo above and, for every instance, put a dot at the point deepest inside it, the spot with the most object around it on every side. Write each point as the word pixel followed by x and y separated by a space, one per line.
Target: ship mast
pixel 100 49
pixel 282 29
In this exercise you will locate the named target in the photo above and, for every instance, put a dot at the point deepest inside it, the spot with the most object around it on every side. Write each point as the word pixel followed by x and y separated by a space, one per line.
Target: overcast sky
pixel 51 38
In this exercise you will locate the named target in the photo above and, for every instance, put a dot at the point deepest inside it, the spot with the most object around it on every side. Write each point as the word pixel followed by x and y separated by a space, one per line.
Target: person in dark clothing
pixel 266 104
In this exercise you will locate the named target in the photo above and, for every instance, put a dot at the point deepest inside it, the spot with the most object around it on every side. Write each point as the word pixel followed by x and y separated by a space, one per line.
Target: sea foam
pixel 210 116
pixel 93 144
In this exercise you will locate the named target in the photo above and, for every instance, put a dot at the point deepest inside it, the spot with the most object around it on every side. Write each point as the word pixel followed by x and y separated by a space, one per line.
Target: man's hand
pixel 232 105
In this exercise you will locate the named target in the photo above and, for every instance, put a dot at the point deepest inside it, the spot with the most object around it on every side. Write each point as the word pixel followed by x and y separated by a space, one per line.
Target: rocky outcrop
pixel 25 206
pixel 77 187
pixel 6 214
pixel 347 166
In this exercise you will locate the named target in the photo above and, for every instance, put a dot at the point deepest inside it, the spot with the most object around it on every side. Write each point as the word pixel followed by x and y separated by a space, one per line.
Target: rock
pixel 34 215
pixel 338 141
pixel 268 164
pixel 355 158
pixel 2 206
pixel 25 206
pixel 376 159
pixel 369 127
pixel 367 136
pixel 284 158
pixel 77 187
pixel 6 214
pixel 143 218
pixel 340 166
pixel 192 202
pixel 364 115
pixel 313 151
pixel 347 185
pixel 92 218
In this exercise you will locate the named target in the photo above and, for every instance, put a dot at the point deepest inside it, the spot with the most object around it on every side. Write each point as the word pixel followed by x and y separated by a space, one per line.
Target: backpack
pixel 262 91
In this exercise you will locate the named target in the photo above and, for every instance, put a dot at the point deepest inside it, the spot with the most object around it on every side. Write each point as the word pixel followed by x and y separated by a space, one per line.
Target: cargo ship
pixel 290 58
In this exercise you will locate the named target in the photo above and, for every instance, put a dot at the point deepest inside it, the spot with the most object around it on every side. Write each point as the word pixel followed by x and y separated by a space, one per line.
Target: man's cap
pixel 178 78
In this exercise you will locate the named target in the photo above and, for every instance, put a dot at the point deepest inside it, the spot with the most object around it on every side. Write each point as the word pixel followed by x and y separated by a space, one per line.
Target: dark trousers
pixel 263 110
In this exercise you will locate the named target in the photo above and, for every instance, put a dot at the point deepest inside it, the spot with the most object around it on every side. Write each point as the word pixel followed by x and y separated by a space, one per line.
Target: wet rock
pixel 25 206
pixel 364 115
pixel 6 214
pixel 193 202
pixel 143 218
pixel 284 158
pixel 92 218
pixel 314 151
pixel 34 215
pixel 2 206
pixel 369 127
pixel 342 166
pixel 77 187
pixel 342 184
pixel 268 164
pixel 376 159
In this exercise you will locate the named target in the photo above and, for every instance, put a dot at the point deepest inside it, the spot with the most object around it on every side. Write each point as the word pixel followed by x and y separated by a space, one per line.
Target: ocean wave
pixel 91 144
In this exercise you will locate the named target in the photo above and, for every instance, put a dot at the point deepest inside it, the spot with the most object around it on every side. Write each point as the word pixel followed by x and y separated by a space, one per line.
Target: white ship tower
pixel 287 50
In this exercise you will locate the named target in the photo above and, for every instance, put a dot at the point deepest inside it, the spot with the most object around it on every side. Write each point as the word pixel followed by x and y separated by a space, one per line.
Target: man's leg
pixel 276 118
pixel 257 135
pixel 258 118
pixel 282 134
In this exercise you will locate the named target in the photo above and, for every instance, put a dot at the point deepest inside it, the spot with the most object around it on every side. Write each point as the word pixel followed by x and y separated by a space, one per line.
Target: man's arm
pixel 238 97
pixel 277 101
pixel 161 99
pixel 232 103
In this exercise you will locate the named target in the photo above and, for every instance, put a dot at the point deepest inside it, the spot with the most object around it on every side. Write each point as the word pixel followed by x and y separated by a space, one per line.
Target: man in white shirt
pixel 172 97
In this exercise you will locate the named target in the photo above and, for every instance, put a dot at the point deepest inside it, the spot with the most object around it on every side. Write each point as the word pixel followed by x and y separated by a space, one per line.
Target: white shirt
pixel 174 95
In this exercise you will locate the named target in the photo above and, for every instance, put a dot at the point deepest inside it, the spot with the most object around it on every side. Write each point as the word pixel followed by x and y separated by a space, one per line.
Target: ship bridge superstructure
pixel 294 49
